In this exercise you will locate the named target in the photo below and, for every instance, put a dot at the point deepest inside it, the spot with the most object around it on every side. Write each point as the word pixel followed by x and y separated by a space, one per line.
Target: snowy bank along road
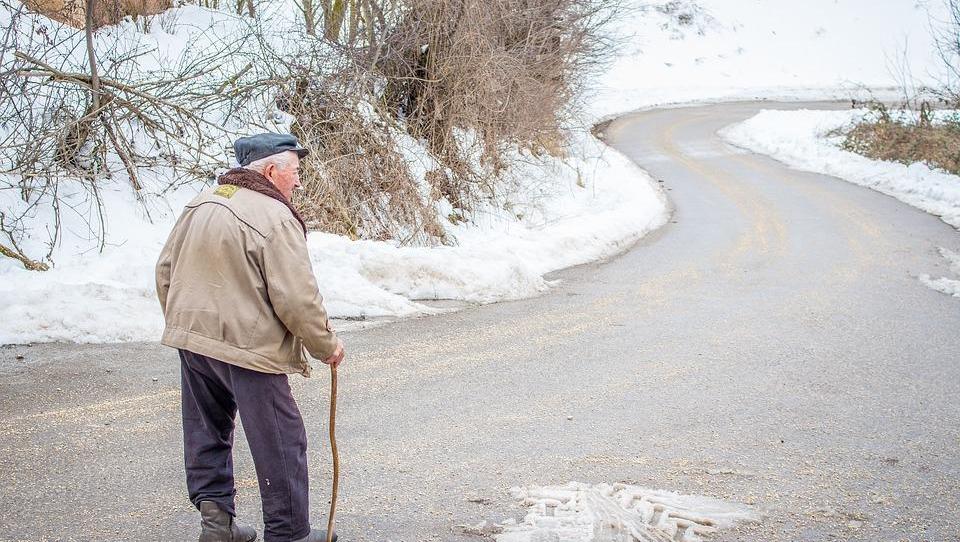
pixel 769 346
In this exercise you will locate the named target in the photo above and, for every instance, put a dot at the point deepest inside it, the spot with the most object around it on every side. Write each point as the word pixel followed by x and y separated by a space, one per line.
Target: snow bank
pixel 89 296
pixel 589 207
pixel 800 139
pixel 580 513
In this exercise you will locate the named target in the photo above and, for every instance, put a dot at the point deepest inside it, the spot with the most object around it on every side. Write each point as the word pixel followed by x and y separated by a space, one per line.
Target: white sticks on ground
pixel 578 512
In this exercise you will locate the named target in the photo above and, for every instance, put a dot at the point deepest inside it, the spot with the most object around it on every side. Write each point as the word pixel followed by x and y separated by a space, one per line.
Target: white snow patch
pixel 578 512
pixel 944 284
pixel 800 139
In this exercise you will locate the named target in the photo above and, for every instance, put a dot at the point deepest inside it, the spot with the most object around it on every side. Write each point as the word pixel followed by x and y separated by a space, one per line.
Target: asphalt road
pixel 770 345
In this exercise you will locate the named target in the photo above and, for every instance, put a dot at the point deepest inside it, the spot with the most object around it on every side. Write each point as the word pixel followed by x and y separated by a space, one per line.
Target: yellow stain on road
pixel 142 403
pixel 766 235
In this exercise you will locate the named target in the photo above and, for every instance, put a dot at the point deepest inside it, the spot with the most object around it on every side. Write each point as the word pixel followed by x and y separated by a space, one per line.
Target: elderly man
pixel 241 304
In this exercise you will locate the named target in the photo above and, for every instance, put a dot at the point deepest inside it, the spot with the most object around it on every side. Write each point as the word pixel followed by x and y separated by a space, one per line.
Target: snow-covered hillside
pixel 696 50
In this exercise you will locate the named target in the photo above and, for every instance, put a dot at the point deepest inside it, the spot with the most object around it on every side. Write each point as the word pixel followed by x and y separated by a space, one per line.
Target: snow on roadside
pixel 578 512
pixel 501 256
pixel 800 139
pixel 588 207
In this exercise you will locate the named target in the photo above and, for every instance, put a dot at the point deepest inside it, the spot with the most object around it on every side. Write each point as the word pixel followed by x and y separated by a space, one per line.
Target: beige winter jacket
pixel 235 283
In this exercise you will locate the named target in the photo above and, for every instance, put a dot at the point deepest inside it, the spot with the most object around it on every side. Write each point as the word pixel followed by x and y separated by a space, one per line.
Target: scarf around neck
pixel 251 180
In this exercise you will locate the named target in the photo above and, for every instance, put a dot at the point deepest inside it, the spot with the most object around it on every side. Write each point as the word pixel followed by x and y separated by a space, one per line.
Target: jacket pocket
pixel 238 324
pixel 253 335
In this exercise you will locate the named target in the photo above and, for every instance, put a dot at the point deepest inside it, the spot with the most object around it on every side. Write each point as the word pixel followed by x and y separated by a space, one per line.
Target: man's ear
pixel 268 170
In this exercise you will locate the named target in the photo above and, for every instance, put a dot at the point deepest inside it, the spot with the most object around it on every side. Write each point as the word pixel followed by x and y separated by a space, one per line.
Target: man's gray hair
pixel 281 160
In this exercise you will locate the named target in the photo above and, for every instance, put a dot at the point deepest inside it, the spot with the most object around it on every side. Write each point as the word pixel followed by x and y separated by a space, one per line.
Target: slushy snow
pixel 578 512
pixel 947 285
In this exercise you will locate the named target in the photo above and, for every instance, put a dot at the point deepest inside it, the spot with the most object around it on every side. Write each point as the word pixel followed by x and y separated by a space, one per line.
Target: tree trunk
pixel 309 12
pixel 333 19
pixel 94 77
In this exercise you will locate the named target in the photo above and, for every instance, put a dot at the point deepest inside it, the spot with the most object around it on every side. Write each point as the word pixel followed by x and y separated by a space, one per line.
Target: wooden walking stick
pixel 333 447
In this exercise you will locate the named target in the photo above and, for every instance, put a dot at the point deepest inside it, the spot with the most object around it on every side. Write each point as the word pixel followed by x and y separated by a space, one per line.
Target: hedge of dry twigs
pixel 900 138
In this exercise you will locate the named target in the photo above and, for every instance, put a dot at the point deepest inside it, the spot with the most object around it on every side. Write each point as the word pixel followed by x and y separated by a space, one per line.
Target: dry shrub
pixel 355 182
pixel 889 137
pixel 899 136
pixel 106 12
pixel 504 70
pixel 470 79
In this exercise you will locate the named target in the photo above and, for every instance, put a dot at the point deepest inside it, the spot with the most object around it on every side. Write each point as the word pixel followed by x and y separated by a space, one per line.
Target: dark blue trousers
pixel 212 393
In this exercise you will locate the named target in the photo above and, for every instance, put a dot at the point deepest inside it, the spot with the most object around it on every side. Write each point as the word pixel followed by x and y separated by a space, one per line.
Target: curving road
pixel 769 345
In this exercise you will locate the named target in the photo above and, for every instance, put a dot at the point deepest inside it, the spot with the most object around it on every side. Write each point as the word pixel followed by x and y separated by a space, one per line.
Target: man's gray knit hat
pixel 252 148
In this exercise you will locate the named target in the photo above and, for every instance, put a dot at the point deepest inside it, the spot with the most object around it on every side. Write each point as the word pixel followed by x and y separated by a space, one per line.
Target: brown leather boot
pixel 218 526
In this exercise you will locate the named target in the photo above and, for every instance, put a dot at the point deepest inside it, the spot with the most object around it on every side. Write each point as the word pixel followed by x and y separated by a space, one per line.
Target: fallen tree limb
pixel 31 265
